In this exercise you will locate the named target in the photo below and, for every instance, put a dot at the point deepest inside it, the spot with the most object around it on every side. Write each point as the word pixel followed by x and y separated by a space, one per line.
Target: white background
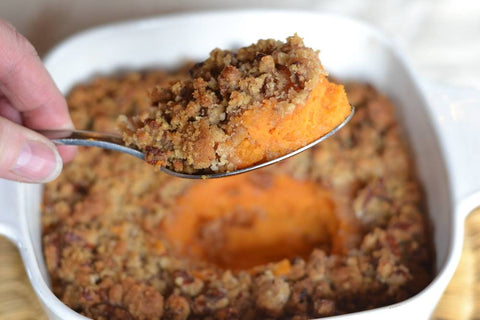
pixel 440 37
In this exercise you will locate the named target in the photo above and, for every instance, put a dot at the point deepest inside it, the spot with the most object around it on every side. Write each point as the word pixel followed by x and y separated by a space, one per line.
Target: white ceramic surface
pixel 442 131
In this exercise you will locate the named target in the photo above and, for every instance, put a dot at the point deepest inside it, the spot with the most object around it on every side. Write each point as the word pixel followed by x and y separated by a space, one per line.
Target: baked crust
pixel 108 258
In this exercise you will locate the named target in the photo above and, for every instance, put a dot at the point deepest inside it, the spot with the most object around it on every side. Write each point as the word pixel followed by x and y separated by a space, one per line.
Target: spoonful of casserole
pixel 236 111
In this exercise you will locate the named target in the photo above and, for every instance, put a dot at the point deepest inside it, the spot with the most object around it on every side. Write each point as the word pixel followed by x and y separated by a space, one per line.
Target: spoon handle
pixel 90 139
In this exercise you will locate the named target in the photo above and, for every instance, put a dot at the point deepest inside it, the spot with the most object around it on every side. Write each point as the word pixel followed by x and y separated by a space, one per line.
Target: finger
pixel 27 85
pixel 67 153
pixel 9 112
pixel 26 155
pixel 29 88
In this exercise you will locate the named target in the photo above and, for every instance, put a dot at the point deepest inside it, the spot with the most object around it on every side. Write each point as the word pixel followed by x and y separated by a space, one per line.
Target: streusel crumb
pixel 238 108
pixel 339 228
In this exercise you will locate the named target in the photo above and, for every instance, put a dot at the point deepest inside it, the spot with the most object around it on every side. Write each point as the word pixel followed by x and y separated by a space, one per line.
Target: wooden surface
pixel 460 301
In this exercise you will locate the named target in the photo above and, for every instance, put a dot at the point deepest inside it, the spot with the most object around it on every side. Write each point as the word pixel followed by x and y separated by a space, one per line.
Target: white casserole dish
pixel 443 132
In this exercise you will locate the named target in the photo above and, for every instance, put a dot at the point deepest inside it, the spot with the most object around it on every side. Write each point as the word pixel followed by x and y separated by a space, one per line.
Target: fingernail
pixel 37 162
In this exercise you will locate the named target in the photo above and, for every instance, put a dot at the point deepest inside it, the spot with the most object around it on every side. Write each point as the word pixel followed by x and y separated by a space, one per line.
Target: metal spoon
pixel 115 143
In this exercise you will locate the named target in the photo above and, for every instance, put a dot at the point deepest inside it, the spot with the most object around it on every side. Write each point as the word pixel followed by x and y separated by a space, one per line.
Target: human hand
pixel 29 99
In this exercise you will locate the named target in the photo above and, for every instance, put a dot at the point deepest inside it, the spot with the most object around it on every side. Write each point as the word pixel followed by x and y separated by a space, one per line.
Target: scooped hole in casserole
pixel 243 221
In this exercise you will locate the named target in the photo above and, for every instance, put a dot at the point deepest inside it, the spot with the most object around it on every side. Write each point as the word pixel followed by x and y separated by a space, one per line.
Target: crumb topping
pixel 108 258
pixel 195 123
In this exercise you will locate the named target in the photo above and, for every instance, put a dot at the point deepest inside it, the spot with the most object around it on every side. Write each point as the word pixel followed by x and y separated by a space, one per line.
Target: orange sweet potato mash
pixel 235 223
pixel 238 109
pixel 267 134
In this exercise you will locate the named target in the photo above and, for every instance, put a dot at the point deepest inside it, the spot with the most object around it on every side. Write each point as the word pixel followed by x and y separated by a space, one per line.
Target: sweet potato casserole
pixel 239 108
pixel 337 229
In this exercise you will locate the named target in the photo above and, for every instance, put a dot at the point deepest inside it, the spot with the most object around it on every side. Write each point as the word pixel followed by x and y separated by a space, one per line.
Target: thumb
pixel 26 155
